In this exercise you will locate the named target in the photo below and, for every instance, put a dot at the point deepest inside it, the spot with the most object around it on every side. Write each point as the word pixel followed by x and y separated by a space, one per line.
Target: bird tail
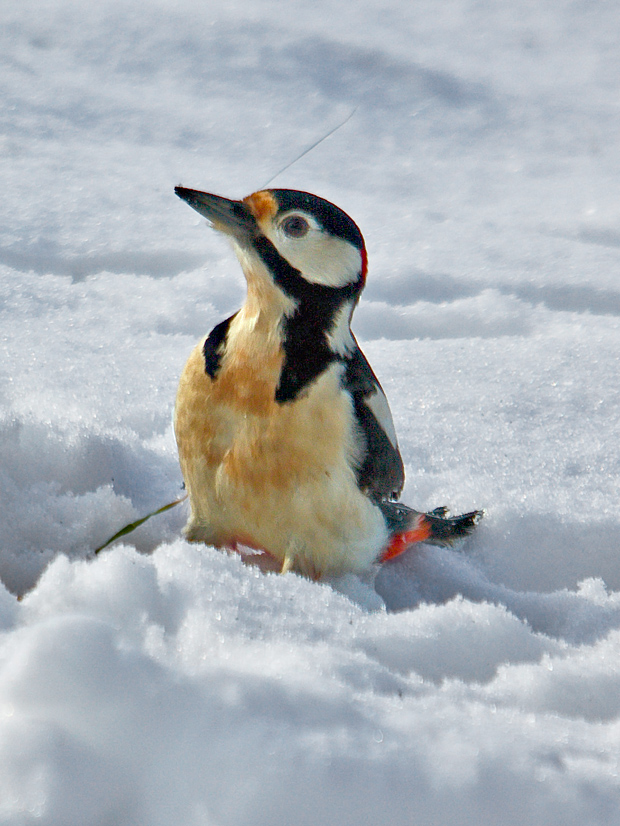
pixel 408 526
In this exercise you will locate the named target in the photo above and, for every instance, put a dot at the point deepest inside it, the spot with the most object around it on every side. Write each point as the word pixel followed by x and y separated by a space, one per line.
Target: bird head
pixel 307 245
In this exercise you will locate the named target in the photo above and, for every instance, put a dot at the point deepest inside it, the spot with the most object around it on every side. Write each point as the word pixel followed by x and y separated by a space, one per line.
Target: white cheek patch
pixel 327 260
pixel 320 257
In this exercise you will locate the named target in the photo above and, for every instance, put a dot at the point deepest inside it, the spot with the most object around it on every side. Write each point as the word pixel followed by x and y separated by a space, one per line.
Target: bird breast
pixel 234 424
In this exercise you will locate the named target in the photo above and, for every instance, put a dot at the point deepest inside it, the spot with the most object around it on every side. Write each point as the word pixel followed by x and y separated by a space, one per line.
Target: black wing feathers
pixel 214 347
pixel 381 473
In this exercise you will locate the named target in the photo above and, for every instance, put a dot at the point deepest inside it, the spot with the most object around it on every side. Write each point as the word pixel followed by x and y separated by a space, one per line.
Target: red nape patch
pixel 401 541
pixel 364 256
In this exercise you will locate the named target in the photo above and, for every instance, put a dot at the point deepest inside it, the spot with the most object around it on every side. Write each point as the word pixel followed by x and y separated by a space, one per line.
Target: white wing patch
pixel 340 338
pixel 378 405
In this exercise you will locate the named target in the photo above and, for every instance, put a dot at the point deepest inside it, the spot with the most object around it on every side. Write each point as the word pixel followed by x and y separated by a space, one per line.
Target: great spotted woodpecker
pixel 285 437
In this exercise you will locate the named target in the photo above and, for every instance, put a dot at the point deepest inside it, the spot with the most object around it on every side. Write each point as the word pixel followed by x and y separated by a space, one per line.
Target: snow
pixel 164 683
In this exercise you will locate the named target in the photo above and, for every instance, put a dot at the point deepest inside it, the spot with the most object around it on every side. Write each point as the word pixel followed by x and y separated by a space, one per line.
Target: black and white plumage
pixel 286 440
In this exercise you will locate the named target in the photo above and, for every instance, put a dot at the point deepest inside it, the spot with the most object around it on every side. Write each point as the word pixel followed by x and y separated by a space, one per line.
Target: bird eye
pixel 295 226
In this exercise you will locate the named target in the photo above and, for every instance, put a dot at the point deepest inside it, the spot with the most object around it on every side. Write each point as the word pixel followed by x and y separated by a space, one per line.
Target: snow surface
pixel 162 683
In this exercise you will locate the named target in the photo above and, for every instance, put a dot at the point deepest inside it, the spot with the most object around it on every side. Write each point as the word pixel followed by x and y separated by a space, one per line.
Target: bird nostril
pixel 239 211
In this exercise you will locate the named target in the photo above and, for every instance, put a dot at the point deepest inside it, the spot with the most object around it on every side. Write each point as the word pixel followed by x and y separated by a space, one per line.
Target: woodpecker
pixel 286 440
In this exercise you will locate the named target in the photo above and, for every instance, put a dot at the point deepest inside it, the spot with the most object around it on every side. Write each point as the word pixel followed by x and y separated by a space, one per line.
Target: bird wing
pixel 213 347
pixel 380 474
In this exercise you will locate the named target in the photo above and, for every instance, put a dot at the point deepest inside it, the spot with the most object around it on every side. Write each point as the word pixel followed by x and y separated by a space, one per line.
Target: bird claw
pixel 442 512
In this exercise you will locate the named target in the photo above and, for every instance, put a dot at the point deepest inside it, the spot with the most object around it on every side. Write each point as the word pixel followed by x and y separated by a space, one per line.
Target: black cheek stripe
pixel 292 282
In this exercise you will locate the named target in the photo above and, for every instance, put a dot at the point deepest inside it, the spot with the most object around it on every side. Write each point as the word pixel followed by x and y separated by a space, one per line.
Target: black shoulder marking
pixel 304 334
pixel 381 473
pixel 306 351
pixel 213 347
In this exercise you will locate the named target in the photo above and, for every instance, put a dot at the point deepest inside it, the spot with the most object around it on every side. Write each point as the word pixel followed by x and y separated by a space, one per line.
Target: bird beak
pixel 230 217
